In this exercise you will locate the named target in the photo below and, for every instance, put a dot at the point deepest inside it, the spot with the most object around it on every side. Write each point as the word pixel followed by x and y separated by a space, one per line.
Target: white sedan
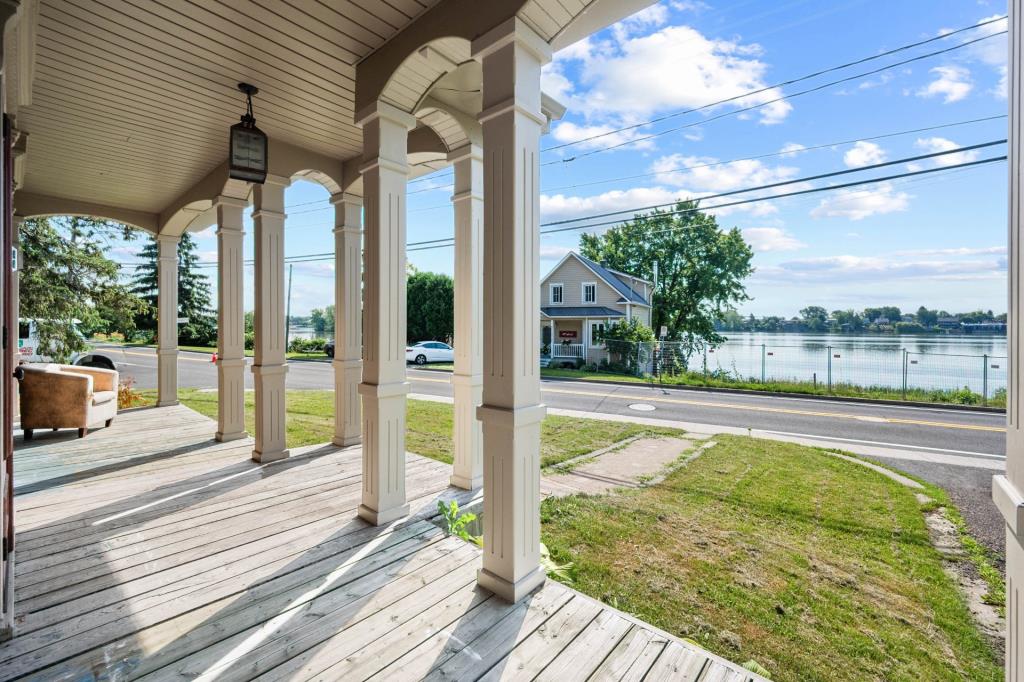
pixel 429 351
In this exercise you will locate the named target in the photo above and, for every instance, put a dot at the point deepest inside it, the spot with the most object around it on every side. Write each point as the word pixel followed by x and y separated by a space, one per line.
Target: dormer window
pixel 590 292
pixel 556 293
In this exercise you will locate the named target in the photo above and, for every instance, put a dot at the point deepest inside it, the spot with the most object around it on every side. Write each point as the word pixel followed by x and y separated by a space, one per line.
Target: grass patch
pixel 428 425
pixel 814 567
pixel 959 396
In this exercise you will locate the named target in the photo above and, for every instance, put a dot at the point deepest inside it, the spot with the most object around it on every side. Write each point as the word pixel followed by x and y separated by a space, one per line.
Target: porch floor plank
pixel 149 551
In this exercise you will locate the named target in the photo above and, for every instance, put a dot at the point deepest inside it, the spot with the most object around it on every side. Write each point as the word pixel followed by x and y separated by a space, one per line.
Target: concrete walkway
pixel 627 466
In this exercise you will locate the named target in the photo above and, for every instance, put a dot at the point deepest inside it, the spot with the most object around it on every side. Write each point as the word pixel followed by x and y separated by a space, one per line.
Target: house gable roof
pixel 607 276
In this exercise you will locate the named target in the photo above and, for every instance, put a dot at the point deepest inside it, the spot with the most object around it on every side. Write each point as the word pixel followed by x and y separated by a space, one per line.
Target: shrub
pixel 126 395
pixel 307 345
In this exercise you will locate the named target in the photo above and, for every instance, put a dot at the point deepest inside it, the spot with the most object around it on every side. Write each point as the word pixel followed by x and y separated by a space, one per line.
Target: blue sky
pixel 937 240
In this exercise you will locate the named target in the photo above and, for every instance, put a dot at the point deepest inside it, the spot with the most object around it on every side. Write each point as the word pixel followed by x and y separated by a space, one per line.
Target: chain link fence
pixel 888 372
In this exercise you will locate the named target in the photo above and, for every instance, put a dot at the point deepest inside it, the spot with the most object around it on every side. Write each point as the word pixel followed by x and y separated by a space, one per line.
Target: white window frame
pixel 551 293
pixel 583 292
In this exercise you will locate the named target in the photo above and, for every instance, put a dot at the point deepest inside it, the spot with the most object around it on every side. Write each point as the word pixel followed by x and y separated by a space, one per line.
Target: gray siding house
pixel 579 299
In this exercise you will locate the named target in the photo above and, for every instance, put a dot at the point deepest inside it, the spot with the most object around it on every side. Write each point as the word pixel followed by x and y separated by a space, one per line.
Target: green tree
pixel 634 331
pixel 815 318
pixel 889 312
pixel 927 318
pixel 67 284
pixel 322 320
pixel 701 268
pixel 193 293
pixel 431 307
pixel 848 320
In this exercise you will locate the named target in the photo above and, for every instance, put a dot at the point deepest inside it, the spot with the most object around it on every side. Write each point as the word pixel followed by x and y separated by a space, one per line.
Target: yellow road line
pixel 760 408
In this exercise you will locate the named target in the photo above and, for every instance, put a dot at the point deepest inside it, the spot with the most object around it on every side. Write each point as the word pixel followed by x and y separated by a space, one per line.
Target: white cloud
pixel 553 251
pixel 863 154
pixel 992 51
pixel 956 251
pixel 571 132
pixel 857 204
pixel 630 78
pixel 941 144
pixel 208 233
pixel 771 239
pixel 127 251
pixel 791 149
pixel 701 176
pixel 952 83
pixel 559 206
pixel 647 18
pixel 845 269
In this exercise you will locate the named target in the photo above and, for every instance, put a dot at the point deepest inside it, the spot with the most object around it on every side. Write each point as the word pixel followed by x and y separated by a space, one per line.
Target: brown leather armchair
pixel 66 396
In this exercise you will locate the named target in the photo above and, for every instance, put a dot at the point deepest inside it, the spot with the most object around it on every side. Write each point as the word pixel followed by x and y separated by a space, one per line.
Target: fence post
pixel 829 349
pixel 705 363
pixel 984 380
pixel 762 362
pixel 906 357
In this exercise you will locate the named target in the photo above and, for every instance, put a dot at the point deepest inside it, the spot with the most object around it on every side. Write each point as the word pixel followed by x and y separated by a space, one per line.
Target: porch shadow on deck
pixel 148 550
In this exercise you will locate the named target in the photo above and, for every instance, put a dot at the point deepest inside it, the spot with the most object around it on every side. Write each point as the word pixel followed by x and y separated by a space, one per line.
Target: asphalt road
pixel 971 435
pixel 954 449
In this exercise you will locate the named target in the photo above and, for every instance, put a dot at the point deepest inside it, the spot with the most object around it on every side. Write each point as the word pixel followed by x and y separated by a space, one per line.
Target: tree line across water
pixel 883 319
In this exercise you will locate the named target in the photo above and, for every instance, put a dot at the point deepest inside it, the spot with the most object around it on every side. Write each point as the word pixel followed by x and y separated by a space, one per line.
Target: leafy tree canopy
pixel 701 267
pixel 431 307
pixel 634 331
pixel 68 287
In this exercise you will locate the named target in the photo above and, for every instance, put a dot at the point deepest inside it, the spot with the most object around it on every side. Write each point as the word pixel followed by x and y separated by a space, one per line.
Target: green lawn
pixel 428 425
pixel 960 396
pixel 816 568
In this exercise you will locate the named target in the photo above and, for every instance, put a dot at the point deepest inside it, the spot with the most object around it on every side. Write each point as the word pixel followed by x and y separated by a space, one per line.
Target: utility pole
pixel 288 310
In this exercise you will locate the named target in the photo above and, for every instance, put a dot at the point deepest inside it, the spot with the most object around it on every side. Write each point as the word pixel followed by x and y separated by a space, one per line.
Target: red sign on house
pixel 566 334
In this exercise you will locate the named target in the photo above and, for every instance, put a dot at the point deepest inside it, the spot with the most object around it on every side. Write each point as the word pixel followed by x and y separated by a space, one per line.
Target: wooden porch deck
pixel 149 551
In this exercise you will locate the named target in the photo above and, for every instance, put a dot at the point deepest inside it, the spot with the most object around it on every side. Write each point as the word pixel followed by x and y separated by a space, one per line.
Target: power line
pixel 741 110
pixel 812 190
pixel 779 85
pixel 793 152
pixel 436 243
pixel 819 176
pixel 756 157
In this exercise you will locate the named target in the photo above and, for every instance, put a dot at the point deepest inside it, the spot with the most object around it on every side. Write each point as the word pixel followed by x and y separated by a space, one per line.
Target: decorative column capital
pixel 346 198
pixel 234 202
pixel 470 151
pixel 513 30
pixel 168 238
pixel 277 180
pixel 385 164
pixel 388 112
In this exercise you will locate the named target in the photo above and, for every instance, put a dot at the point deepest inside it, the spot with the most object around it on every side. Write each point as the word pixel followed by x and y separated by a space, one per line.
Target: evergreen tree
pixel 68 287
pixel 193 293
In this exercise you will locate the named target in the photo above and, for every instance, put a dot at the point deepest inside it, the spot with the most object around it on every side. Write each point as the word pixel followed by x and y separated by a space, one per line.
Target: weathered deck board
pixel 149 551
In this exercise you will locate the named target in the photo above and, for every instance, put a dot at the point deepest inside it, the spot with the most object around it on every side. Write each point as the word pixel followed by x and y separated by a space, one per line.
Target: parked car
pixel 429 351
pixel 29 350
pixel 329 348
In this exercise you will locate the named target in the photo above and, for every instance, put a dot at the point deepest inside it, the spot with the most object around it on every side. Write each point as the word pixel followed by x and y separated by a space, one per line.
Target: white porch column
pixel 230 320
pixel 512 55
pixel 385 173
pixel 269 364
pixel 467 377
pixel 167 320
pixel 1008 490
pixel 348 311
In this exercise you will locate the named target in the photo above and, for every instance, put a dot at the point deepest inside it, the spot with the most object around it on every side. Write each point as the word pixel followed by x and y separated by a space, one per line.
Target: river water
pixel 931 361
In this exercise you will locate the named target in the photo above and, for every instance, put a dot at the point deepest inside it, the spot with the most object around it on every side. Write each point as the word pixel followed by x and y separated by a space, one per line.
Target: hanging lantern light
pixel 248 147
